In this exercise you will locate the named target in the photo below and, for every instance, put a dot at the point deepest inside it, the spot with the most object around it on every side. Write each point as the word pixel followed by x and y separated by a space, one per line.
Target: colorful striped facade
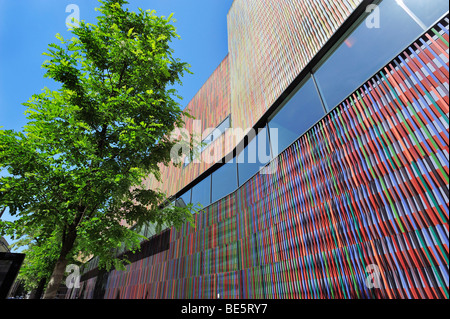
pixel 264 58
pixel 364 193
pixel 212 99
pixel 270 42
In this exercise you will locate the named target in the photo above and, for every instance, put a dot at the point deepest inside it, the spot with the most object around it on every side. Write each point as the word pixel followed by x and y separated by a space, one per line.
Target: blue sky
pixel 28 26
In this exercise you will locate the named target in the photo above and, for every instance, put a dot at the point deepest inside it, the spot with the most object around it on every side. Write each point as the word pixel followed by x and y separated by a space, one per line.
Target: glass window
pixel 183 200
pixel 425 12
pixel 206 141
pixel 254 156
pixel 201 193
pixel 215 134
pixel 378 39
pixel 224 180
pixel 211 137
pixel 302 109
pixel 224 125
pixel 186 161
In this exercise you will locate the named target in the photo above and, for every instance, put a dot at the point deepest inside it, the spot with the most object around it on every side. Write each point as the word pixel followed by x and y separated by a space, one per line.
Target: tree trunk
pixel 56 278
pixel 37 293
pixel 60 267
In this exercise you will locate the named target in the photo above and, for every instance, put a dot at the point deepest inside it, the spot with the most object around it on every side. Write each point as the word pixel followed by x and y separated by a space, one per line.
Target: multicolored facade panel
pixel 210 106
pixel 213 99
pixel 264 57
pixel 270 42
pixel 357 207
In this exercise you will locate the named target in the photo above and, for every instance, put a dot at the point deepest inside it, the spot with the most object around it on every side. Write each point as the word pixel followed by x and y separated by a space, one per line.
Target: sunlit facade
pixel 347 196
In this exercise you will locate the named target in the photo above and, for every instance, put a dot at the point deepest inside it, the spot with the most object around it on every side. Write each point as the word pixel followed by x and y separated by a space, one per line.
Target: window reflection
pixel 428 12
pixel 254 156
pixel 224 180
pixel 211 137
pixel 371 45
pixel 201 193
pixel 292 119
pixel 183 200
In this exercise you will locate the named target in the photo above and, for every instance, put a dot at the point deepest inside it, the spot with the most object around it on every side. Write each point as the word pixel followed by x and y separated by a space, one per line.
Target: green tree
pixel 40 258
pixel 77 170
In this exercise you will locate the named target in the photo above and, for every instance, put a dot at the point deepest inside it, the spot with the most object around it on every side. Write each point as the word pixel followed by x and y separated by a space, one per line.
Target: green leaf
pixel 129 32
pixel 59 37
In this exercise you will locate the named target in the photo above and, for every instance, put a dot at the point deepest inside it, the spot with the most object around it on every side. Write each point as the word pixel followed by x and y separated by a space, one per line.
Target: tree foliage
pixel 76 171
pixel 40 258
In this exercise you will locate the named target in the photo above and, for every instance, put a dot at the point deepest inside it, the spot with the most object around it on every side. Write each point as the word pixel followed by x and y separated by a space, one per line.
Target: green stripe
pixel 440 36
